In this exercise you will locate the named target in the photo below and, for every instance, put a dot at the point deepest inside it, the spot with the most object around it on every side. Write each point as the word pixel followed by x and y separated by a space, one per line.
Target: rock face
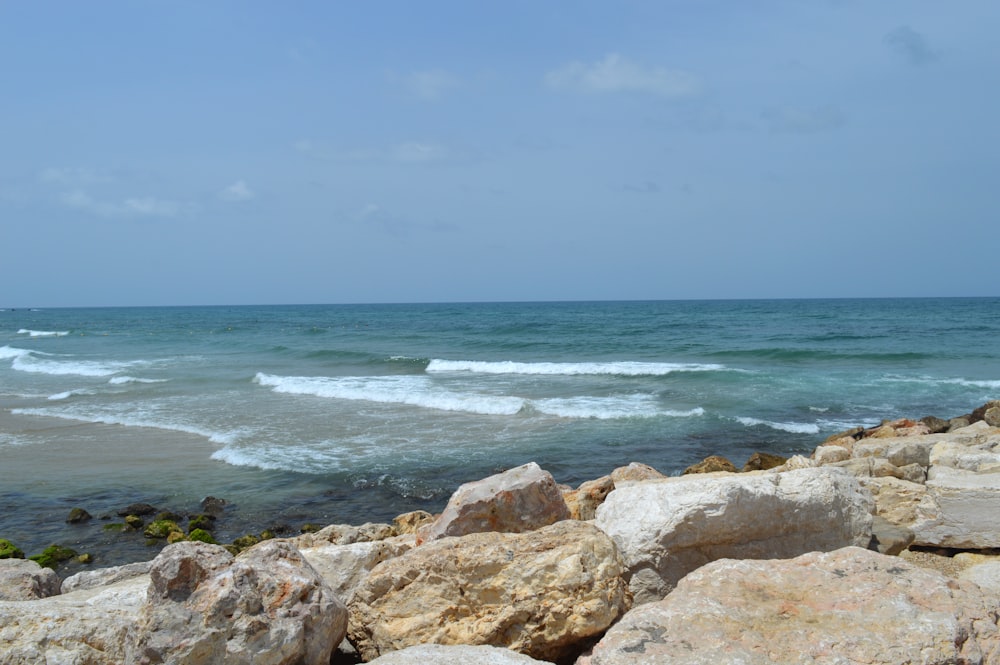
pixel 961 509
pixel 90 579
pixel 584 500
pixel 267 606
pixel 344 567
pixel 847 606
pixel 23 579
pixel 665 529
pixel 538 593
pixel 521 499
pixel 87 627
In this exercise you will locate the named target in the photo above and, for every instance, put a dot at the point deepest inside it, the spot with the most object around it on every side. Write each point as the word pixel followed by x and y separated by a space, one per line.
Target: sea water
pixel 354 413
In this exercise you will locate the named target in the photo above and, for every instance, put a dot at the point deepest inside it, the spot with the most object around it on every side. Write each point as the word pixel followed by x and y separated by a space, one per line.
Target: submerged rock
pixel 711 464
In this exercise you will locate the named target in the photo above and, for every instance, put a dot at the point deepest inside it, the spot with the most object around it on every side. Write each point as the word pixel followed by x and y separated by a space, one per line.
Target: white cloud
pixel 618 74
pixel 130 207
pixel 430 85
pixel 238 191
pixel 911 45
pixel 413 151
pixel 788 120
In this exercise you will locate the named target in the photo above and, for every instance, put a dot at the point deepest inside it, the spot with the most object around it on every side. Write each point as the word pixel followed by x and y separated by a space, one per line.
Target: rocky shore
pixel 880 547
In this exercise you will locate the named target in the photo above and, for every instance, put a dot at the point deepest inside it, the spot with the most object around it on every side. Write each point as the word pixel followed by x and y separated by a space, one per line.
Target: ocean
pixel 354 413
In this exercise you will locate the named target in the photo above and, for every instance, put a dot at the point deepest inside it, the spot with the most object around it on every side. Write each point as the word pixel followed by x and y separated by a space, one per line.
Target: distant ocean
pixel 353 413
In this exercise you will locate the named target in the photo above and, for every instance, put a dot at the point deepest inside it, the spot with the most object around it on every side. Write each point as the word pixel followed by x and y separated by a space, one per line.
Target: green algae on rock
pixel 9 550
pixel 53 555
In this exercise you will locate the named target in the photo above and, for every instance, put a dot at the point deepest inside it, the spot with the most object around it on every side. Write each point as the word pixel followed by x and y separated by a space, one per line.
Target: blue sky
pixel 260 152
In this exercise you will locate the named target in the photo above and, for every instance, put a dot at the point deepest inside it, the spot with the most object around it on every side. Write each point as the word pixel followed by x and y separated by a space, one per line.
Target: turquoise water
pixel 348 413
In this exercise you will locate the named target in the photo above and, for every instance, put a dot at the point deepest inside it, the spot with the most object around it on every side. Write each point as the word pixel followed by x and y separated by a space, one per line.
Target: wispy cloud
pixel 615 73
pixel 911 45
pixel 130 207
pixel 238 191
pixel 789 120
pixel 391 224
pixel 431 84
pixel 73 177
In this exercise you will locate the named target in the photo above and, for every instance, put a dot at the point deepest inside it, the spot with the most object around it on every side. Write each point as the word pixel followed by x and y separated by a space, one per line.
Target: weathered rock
pixel 267 606
pixel 584 500
pixel 711 464
pixel 847 606
pixel 898 501
pixel 762 461
pixel 344 567
pixel 411 521
pixel 960 510
pixel 345 534
pixel 633 472
pixel 934 424
pixel 958 423
pixel 978 455
pixel 23 579
pixel 78 515
pixel 992 416
pixel 91 579
pixel 86 627
pixel 980 413
pixel 9 550
pixel 889 538
pixel 794 463
pixel 986 575
pixel 830 454
pixel 539 592
pixel 518 500
pixel 140 509
pixel 440 654
pixel 667 528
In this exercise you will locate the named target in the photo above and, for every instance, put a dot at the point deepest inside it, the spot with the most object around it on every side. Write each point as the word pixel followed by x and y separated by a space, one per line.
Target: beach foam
pixel 794 428
pixel 624 368
pixel 43 333
pixel 134 419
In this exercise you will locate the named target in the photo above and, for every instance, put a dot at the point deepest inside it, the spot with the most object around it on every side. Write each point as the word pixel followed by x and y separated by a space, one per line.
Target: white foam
pixel 609 408
pixel 132 420
pixel 968 383
pixel 794 428
pixel 410 390
pixel 121 380
pixel 69 393
pixel 623 368
pixel 58 365
pixel 8 352
pixel 43 333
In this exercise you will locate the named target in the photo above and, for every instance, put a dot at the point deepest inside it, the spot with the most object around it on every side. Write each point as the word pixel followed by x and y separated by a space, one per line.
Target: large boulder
pixel 847 606
pixel 91 579
pixel 540 593
pixel 344 567
pixel 960 510
pixel 667 528
pixel 517 500
pixel 24 579
pixel 86 627
pixel 267 606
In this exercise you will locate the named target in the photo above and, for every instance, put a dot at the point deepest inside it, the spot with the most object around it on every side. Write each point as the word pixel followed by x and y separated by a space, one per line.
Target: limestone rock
pixel 411 521
pixel 762 461
pixel 847 606
pixel 23 579
pixel 992 416
pixel 439 654
pixel 962 510
pixel 584 500
pixel 898 501
pixel 91 579
pixel 981 413
pixel 521 499
pixel 344 567
pixel 711 464
pixel 667 528
pixel 934 424
pixel 538 593
pixel 889 538
pixel 267 606
pixel 633 472
pixel 87 627
pixel 986 575
pixel 345 534
pixel 830 454
pixel 982 454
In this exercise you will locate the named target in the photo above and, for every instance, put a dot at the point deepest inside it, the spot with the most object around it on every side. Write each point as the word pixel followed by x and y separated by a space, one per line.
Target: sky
pixel 188 153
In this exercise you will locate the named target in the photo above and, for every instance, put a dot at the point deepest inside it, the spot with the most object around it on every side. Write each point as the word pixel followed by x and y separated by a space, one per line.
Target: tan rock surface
pixel 538 593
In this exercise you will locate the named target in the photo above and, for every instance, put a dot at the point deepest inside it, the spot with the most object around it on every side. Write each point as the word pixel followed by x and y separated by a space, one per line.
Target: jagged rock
pixel 762 461
pixel 847 606
pixel 86 627
pixel 411 521
pixel 711 464
pixel 541 592
pixel 667 528
pixel 440 654
pixel 934 424
pixel 521 499
pixel 267 606
pixel 889 538
pixel 345 534
pixel 91 579
pixel 344 567
pixel 981 412
pixel 898 501
pixel 584 500
pixel 633 472
pixel 23 579
pixel 992 416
